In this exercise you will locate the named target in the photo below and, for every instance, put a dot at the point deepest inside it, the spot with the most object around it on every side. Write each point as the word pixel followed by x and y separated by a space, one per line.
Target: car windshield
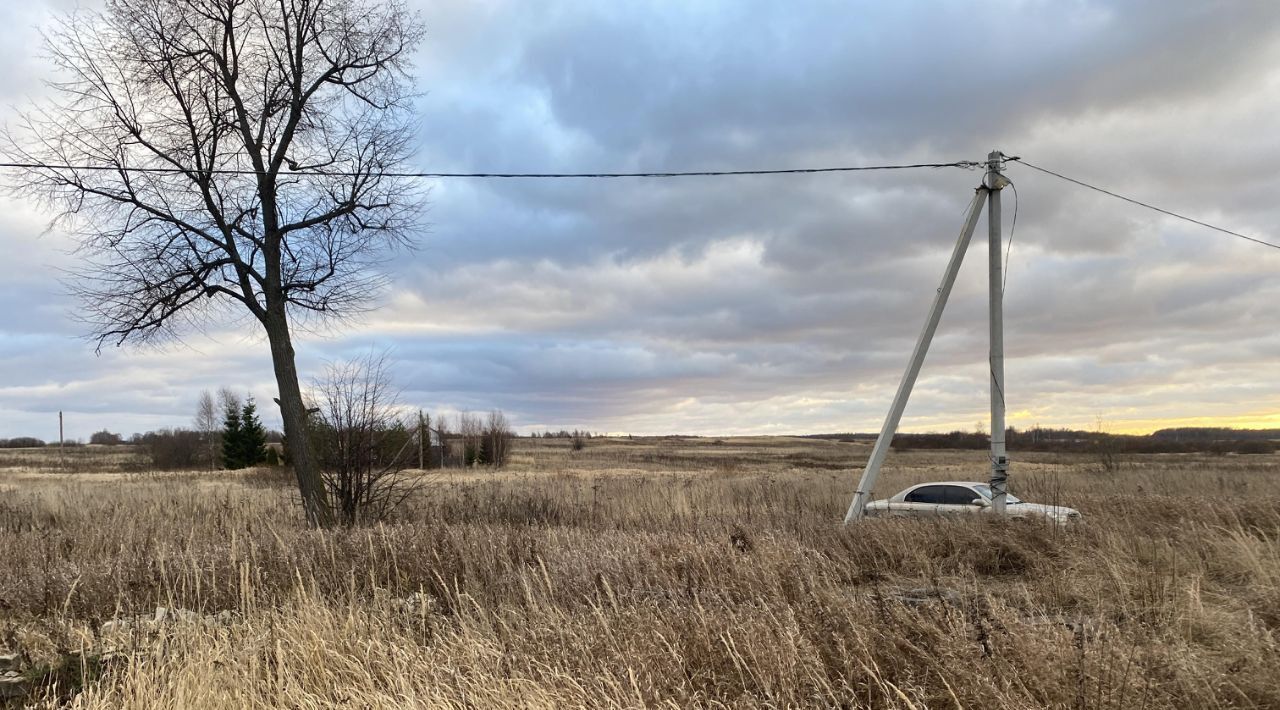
pixel 985 491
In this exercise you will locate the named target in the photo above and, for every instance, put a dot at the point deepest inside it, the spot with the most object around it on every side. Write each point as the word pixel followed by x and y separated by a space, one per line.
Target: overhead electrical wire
pixel 966 164
pixel 1004 279
pixel 1149 206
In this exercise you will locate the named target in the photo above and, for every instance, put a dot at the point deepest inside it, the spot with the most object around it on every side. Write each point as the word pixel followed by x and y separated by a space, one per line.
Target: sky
pixel 766 304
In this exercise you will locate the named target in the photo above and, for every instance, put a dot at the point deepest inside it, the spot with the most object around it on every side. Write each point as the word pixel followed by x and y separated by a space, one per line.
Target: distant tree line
pixel 563 434
pixel 21 442
pixel 1165 441
pixel 1183 434
pixel 577 439
pixel 847 437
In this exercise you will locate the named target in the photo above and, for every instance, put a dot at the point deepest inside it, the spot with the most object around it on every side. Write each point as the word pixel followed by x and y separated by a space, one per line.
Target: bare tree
pixel 497 439
pixel 208 424
pixel 228 399
pixel 485 442
pixel 221 157
pixel 362 439
pixel 471 431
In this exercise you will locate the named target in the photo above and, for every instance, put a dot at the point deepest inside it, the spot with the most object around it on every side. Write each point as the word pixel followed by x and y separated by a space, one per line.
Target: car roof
pixel 902 493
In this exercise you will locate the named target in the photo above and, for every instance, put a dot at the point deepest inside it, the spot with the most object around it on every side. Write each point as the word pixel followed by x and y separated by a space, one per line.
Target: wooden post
pixel 422 461
pixel 62 464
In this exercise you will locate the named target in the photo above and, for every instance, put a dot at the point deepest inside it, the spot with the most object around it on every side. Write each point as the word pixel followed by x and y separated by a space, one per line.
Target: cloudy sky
pixel 769 304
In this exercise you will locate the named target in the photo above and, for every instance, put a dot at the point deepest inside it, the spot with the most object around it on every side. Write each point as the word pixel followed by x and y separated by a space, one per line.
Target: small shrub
pixel 362 444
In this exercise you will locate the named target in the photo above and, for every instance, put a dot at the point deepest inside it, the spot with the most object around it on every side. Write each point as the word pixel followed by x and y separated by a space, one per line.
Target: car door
pixel 958 500
pixel 922 501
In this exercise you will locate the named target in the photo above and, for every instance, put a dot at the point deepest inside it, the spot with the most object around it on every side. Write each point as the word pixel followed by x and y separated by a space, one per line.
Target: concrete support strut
pixel 881 449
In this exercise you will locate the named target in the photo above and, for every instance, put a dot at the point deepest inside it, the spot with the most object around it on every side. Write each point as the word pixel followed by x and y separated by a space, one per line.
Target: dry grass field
pixel 649 573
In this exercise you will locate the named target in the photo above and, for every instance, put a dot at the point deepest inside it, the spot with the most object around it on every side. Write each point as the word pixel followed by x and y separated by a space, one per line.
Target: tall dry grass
pixel 655 573
pixel 91 458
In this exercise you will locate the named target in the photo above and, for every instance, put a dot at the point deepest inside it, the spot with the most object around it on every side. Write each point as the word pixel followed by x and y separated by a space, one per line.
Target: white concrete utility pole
pixel 989 192
pixel 995 182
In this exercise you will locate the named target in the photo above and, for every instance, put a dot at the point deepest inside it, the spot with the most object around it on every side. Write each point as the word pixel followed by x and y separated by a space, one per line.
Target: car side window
pixel 958 495
pixel 927 494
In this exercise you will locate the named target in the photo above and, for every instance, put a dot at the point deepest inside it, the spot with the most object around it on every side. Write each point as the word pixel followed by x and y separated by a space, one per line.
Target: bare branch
pixel 204 86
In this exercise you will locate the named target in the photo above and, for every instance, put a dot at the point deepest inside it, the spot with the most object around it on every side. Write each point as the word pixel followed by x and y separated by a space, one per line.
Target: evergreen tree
pixel 231 435
pixel 244 438
pixel 253 436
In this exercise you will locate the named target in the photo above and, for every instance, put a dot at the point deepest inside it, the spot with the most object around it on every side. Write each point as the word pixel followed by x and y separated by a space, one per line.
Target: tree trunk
pixel 315 501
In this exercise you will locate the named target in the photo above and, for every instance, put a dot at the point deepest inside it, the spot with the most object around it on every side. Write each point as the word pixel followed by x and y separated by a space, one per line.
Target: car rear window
pixel 927 494
pixel 942 495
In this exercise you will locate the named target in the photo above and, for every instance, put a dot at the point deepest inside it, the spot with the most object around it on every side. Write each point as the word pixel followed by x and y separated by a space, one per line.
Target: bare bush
pixel 361 439
pixel 471 432
pixel 1105 450
pixel 105 438
pixel 495 447
pixel 172 449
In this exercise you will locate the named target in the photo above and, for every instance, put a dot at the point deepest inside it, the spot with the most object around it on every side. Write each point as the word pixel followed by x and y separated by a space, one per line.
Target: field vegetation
pixel 660 572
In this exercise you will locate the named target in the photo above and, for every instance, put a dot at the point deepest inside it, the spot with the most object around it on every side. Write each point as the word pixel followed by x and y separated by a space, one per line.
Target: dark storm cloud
pixel 786 304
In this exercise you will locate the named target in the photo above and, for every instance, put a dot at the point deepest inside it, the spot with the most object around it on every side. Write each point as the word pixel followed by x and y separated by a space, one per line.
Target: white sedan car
pixel 961 498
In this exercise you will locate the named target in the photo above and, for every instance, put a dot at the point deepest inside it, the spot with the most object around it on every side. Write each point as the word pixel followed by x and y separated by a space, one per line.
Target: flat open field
pixel 649 573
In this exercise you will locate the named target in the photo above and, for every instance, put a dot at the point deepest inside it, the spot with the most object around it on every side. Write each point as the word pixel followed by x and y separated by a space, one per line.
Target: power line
pixel 1012 230
pixel 1140 203
pixel 966 164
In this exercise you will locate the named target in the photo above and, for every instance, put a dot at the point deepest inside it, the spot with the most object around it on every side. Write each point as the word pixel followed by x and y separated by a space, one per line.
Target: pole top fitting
pixel 995 179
